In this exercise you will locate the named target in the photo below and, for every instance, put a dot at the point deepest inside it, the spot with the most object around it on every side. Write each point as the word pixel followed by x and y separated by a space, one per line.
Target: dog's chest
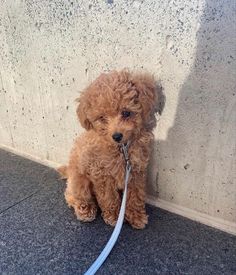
pixel 102 166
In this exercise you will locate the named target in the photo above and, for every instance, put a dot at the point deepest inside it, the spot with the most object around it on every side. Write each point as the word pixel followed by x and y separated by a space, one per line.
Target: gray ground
pixel 40 235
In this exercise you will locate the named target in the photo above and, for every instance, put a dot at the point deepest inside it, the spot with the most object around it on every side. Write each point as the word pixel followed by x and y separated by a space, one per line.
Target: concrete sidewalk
pixel 39 234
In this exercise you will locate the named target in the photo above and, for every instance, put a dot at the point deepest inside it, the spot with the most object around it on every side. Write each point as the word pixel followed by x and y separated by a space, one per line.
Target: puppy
pixel 118 107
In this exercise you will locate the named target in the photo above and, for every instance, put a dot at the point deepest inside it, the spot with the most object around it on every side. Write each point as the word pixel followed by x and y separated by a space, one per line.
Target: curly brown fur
pixel 117 102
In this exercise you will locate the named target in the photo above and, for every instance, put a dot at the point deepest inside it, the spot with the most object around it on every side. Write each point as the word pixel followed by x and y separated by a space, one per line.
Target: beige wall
pixel 51 49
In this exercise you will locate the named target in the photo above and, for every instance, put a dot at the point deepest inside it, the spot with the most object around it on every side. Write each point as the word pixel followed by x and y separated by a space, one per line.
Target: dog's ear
pixel 147 90
pixel 82 110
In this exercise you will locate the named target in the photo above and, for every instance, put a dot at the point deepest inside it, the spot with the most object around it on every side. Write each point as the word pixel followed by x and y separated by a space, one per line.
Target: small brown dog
pixel 118 107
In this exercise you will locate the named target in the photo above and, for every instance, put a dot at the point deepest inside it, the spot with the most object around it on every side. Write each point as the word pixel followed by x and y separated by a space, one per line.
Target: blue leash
pixel 115 234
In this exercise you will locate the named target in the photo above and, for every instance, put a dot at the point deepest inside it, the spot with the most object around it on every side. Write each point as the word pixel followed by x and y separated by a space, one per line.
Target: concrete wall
pixel 51 49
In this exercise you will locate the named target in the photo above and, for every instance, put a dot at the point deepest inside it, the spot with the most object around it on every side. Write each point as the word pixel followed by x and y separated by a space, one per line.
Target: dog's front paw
pixel 137 219
pixel 109 217
pixel 85 212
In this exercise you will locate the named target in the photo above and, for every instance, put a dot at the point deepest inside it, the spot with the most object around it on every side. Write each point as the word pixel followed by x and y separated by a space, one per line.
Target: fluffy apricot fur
pixel 116 102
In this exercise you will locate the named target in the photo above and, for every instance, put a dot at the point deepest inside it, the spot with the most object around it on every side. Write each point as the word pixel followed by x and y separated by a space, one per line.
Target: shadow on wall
pixel 197 160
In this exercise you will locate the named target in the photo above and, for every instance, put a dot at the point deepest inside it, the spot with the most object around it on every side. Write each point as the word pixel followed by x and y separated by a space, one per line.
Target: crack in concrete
pixel 18 202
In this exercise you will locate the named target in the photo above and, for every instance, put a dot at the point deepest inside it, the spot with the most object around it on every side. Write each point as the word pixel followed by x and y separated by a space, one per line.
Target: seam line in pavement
pixel 18 202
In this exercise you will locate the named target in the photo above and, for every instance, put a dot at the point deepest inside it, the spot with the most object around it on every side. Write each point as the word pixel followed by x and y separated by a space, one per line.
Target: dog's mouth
pixel 124 144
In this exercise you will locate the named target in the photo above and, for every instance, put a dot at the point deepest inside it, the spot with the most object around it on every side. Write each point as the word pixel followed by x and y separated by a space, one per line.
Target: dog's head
pixel 119 105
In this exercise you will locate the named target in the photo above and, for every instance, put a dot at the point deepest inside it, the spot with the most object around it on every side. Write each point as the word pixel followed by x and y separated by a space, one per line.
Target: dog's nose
pixel 117 137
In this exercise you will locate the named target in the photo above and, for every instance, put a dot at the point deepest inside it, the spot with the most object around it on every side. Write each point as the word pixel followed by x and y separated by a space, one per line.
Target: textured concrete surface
pixel 40 235
pixel 51 49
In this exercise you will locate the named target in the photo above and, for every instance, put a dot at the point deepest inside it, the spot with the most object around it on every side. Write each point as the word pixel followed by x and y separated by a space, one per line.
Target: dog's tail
pixel 63 171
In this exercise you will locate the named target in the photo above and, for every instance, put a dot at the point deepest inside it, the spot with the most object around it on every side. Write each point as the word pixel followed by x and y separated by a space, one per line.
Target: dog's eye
pixel 126 114
pixel 102 119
